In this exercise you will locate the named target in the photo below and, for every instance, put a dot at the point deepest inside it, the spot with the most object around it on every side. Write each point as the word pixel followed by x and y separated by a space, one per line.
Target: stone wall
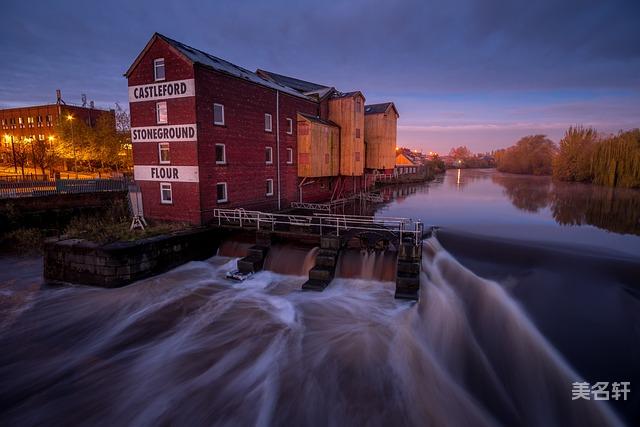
pixel 120 263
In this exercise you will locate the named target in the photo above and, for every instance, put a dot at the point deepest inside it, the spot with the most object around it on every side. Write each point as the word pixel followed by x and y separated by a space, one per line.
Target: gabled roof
pixel 380 108
pixel 317 119
pixel 297 84
pixel 347 94
pixel 202 58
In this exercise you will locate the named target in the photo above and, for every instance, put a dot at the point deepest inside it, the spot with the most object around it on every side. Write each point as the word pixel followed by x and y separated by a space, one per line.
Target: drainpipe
pixel 278 143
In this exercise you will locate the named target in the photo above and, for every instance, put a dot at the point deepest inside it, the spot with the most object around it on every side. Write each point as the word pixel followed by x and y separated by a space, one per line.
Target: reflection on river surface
pixel 524 207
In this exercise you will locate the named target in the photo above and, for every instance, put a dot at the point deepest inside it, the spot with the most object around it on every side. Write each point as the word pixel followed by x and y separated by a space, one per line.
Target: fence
pixel 320 223
pixel 34 188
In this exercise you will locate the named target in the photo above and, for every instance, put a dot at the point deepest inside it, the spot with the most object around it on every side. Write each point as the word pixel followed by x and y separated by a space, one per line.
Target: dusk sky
pixel 461 72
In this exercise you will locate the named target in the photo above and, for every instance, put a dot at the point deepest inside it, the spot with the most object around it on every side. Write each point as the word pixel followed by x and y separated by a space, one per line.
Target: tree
pixel 575 155
pixel 531 155
pixel 46 154
pixel 460 153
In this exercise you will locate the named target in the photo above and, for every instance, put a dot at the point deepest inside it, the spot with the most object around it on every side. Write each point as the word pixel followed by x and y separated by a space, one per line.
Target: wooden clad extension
pixel 347 111
pixel 318 147
pixel 380 130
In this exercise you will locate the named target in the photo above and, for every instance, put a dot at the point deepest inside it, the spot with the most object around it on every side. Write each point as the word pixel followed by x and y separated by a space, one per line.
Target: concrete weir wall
pixel 120 263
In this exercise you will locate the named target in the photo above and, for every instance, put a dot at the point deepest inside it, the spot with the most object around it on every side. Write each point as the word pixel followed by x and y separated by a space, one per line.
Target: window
pixel 269 187
pixel 268 154
pixel 49 120
pixel 166 198
pixel 39 121
pixel 161 113
pixel 267 122
pixel 158 69
pixel 218 114
pixel 30 121
pixel 221 190
pixel 221 155
pixel 41 137
pixel 357 133
pixel 290 156
pixel 289 126
pixel 357 156
pixel 164 153
pixel 358 106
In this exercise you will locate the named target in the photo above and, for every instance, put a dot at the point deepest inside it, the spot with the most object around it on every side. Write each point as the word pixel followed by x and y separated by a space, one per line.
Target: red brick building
pixel 207 134
pixel 40 122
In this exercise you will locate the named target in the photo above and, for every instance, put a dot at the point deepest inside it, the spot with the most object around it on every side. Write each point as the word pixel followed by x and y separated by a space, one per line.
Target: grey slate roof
pixel 297 84
pixel 379 108
pixel 319 120
pixel 218 64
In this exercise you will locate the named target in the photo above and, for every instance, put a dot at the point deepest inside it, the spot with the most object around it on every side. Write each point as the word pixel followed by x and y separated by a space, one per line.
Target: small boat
pixel 238 276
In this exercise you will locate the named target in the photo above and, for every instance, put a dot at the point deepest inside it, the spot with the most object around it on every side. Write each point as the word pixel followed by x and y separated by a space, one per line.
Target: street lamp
pixel 73 144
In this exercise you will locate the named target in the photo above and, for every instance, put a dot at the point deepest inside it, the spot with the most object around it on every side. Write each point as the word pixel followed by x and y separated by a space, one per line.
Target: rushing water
pixel 503 327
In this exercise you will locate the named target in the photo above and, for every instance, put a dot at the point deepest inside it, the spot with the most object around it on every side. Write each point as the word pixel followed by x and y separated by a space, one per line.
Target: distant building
pixel 40 122
pixel 209 134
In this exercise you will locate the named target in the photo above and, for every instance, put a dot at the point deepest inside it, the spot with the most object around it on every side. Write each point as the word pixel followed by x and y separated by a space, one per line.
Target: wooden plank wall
pixel 342 111
pixel 318 149
pixel 380 132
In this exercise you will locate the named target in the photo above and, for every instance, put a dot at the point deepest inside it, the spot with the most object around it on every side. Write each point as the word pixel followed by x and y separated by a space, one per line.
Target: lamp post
pixel 73 144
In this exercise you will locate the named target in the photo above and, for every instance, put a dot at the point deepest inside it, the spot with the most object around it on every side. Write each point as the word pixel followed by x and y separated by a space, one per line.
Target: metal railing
pixel 319 206
pixel 320 223
pixel 16 189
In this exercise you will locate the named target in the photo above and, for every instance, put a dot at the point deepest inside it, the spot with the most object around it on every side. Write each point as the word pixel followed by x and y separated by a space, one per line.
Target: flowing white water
pixel 190 348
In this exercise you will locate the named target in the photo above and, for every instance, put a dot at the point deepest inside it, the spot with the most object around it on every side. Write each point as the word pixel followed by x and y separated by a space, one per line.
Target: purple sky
pixel 478 73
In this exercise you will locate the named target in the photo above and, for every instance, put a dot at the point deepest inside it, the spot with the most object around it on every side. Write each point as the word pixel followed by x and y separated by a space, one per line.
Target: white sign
pixel 162 90
pixel 178 133
pixel 166 173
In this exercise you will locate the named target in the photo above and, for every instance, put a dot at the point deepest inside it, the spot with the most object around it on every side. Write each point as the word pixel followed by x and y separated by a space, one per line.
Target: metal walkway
pixel 321 224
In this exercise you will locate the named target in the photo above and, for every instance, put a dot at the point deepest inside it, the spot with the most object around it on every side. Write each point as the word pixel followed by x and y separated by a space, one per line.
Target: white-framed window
pixel 269 187
pixel 289 126
pixel 268 155
pixel 218 114
pixel 221 192
pixel 161 113
pixel 164 153
pixel 158 69
pixel 268 122
pixel 221 154
pixel 166 196
pixel 289 156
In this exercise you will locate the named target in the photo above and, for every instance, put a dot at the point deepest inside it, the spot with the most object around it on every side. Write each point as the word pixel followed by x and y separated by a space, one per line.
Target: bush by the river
pixel 583 155
pixel 532 155
pixel 586 156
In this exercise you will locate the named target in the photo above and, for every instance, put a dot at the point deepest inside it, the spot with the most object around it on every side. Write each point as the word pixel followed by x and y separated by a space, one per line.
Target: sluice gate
pixel 332 233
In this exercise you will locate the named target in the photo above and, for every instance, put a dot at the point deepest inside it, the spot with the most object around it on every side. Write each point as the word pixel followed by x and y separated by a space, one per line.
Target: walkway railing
pixel 16 189
pixel 320 223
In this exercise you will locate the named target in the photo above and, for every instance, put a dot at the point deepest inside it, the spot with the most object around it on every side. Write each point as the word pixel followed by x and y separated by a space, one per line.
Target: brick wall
pixel 186 195
pixel 245 139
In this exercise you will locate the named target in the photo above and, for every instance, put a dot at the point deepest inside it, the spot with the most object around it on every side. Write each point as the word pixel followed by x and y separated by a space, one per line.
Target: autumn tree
pixel 460 153
pixel 532 155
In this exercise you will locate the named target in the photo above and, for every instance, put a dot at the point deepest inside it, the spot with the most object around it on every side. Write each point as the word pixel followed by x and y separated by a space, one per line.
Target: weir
pixel 332 233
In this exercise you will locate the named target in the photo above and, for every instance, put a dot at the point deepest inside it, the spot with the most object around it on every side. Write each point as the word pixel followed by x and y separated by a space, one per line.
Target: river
pixel 527 287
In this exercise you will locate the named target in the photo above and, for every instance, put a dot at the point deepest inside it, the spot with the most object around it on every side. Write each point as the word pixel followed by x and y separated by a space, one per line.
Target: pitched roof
pixel 317 119
pixel 379 108
pixel 200 57
pixel 297 84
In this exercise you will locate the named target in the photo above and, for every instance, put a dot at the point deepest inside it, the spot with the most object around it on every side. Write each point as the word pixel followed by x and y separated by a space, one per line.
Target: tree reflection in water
pixel 612 209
